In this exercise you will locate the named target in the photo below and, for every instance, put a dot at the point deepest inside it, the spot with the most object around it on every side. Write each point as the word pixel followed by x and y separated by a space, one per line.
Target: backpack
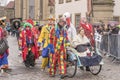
pixel 3 46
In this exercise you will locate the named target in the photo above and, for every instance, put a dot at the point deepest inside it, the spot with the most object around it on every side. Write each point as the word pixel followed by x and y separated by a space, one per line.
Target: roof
pixel 10 4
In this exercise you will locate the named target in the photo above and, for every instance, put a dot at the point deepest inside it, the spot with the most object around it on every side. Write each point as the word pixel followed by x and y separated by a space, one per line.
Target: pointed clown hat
pixel 67 18
pixel 66 15
pixel 51 18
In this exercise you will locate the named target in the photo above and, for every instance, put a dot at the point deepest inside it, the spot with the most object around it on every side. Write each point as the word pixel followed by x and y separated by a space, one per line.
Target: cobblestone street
pixel 110 70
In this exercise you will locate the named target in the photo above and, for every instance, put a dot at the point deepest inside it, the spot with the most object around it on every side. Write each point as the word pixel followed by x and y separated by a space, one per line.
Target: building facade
pixel 77 9
pixel 18 8
pixel 102 10
pixel 10 10
pixel 38 10
pixel 2 11
pixel 116 12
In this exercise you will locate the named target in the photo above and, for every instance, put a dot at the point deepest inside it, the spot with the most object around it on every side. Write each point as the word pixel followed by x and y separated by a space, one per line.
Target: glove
pixel 51 48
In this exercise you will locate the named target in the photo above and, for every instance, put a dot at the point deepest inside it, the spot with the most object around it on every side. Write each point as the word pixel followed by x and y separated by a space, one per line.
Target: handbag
pixel 3 46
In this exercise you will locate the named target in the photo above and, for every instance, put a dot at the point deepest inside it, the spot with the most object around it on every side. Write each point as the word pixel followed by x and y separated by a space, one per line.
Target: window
pixel 51 10
pixel 77 19
pixel 61 1
pixel 76 0
pixel 31 9
pixel 116 18
pixel 68 1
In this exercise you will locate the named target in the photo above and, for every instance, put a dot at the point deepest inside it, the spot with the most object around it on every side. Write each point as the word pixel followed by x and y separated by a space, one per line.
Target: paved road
pixel 110 71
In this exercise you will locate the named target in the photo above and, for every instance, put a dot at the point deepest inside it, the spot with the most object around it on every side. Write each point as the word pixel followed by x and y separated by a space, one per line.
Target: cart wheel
pixel 71 68
pixel 95 70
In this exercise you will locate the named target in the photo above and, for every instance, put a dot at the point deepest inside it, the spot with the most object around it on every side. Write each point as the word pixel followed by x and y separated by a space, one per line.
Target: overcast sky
pixel 4 2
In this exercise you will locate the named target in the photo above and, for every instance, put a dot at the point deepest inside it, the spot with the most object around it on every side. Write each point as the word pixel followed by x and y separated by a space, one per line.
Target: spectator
pixel 114 30
pixel 81 43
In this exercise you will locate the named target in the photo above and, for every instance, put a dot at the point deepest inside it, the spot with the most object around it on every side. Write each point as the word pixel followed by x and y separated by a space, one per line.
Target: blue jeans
pixel 4 60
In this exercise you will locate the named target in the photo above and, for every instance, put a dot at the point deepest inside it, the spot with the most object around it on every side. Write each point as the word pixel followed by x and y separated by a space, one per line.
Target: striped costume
pixel 60 41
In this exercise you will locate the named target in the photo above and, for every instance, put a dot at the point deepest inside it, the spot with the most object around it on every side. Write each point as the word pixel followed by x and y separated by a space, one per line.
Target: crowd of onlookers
pixel 109 33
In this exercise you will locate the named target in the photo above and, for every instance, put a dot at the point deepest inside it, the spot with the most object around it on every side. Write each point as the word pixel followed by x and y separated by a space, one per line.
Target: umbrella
pixel 113 23
pixel 95 24
pixel 27 24
pixel 16 23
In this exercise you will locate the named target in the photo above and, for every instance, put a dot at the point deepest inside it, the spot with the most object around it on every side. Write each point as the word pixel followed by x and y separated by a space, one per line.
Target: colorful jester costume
pixel 27 38
pixel 60 41
pixel 44 39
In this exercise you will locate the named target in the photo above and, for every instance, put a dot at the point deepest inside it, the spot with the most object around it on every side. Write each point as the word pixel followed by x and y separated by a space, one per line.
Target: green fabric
pixel 27 24
pixel 22 24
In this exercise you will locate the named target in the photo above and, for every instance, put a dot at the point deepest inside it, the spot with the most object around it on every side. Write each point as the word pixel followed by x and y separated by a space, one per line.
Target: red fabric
pixel 68 21
pixel 35 32
pixel 30 21
pixel 1 33
pixel 59 56
pixel 29 34
pixel 52 33
pixel 25 51
pixel 1 56
pixel 56 59
pixel 1 36
pixel 86 26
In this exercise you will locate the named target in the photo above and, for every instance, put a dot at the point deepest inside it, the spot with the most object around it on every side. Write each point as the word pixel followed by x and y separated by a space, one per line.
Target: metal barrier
pixel 110 44
pixel 114 45
pixel 104 44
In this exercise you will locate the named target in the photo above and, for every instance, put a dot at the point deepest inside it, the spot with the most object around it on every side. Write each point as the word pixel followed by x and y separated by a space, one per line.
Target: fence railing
pixel 110 44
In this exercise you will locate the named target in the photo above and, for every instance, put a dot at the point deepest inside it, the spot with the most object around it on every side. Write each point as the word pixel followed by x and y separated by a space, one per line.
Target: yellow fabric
pixel 34 22
pixel 44 36
pixel 20 34
pixel 44 63
pixel 20 41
